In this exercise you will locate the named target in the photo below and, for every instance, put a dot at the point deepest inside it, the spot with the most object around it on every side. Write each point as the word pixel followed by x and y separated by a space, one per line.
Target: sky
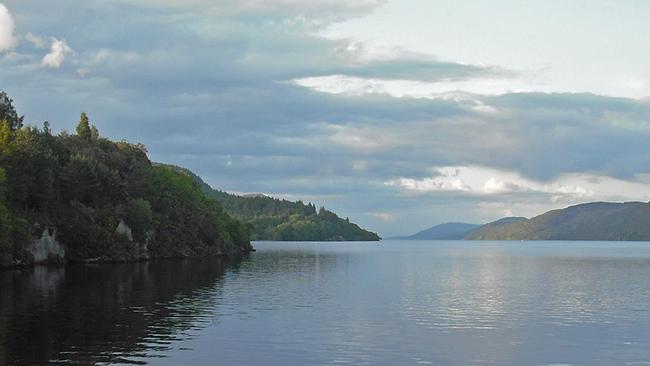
pixel 397 114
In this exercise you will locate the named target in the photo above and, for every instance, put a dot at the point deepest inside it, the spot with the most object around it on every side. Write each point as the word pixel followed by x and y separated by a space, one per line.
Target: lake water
pixel 387 303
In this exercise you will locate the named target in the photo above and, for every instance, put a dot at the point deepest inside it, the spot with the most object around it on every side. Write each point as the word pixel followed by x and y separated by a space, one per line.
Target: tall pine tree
pixel 83 128
pixel 8 113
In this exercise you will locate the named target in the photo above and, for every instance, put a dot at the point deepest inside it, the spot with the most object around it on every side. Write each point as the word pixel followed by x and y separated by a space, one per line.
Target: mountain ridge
pixel 598 221
pixel 445 231
pixel 277 219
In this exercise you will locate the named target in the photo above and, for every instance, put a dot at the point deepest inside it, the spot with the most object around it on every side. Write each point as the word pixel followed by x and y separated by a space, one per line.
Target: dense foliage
pixel 276 219
pixel 589 221
pixel 83 187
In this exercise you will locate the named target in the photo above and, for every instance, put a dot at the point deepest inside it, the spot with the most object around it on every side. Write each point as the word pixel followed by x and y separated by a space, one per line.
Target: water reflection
pixel 105 313
pixel 530 307
pixel 393 303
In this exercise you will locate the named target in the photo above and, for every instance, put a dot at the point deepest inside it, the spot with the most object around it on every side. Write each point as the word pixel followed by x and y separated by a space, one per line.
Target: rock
pixel 47 248
pixel 124 229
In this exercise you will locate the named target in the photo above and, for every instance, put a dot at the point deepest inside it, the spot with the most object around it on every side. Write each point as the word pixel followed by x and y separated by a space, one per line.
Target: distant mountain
pixel 479 233
pixel 282 220
pixel 448 231
pixel 589 221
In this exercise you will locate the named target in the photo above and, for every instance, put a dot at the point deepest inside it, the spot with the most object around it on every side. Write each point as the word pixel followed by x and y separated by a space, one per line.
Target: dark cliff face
pixel 589 221
pixel 84 198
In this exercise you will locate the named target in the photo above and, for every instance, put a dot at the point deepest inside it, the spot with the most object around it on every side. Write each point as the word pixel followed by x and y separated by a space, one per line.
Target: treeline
pixel 275 219
pixel 282 220
pixel 100 199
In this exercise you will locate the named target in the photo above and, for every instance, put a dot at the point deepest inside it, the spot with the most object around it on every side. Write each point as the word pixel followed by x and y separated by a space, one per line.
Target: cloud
pixel 486 182
pixel 383 216
pixel 464 92
pixel 236 92
pixel 7 38
pixel 58 51
pixel 329 10
pixel 35 40
pixel 461 89
pixel 363 140
pixel 346 7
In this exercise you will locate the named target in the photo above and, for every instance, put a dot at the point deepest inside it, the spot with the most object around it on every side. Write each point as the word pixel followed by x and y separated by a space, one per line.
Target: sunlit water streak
pixel 388 303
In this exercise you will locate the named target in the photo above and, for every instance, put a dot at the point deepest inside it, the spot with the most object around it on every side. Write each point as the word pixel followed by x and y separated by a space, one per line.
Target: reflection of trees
pixel 106 313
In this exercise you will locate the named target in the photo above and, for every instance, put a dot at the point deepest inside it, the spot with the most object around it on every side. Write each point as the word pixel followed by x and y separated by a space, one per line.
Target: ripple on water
pixel 392 304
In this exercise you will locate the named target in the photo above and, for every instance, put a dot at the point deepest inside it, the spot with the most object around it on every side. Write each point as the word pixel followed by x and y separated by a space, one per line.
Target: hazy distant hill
pixel 481 232
pixel 448 231
pixel 589 221
pixel 279 219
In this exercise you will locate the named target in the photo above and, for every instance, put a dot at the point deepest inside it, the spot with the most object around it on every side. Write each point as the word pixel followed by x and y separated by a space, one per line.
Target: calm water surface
pixel 388 303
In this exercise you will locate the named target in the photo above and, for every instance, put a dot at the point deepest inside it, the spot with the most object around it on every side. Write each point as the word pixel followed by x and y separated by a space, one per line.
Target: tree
pixel 8 113
pixel 30 165
pixel 139 217
pixel 83 128
pixel 46 128
pixel 84 186
pixel 94 133
pixel 5 136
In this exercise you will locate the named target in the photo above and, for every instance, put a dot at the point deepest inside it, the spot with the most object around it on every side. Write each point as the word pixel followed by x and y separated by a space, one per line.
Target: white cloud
pixel 383 216
pixel 83 72
pixel 54 59
pixel 484 182
pixel 35 40
pixel 359 165
pixel 458 90
pixel 310 143
pixel 334 9
pixel 7 39
pixel 362 139
pixel 312 5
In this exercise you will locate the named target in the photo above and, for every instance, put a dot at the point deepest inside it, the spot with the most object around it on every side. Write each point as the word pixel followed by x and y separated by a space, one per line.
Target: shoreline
pixel 105 261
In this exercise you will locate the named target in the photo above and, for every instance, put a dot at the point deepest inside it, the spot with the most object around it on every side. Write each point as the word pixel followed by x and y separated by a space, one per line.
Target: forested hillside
pixel 483 232
pixel 276 219
pixel 589 221
pixel 80 197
